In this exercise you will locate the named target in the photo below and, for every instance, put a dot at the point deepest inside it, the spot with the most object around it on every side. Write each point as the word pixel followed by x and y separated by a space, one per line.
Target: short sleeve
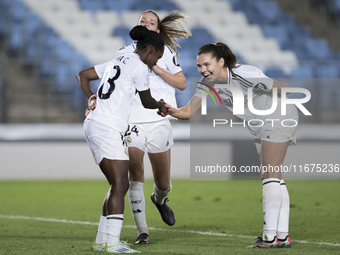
pixel 201 90
pixel 142 77
pixel 172 61
pixel 263 82
pixel 127 49
pixel 100 69
pixel 260 81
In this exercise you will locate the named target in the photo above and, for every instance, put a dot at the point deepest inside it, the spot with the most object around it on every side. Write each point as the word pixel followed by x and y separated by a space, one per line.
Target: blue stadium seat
pixel 303 72
pixel 191 72
pixel 119 5
pixel 18 11
pixel 318 49
pixel 278 32
pixel 183 97
pixel 267 11
pixel 16 40
pixel 187 54
pixel 285 30
pixel 329 71
pixel 63 50
pixel 123 32
pixel 92 6
pixel 275 73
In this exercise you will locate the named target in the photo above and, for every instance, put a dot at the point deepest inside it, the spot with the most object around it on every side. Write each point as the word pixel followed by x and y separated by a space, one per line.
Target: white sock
pixel 160 195
pixel 137 205
pixel 114 227
pixel 271 199
pixel 283 224
pixel 102 229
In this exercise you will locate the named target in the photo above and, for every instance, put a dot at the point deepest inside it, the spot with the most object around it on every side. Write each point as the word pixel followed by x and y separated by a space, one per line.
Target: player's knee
pixel 120 186
pixel 136 171
pixel 164 185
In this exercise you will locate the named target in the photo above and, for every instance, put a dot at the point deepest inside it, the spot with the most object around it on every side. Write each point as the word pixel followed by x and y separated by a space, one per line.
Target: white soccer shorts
pixel 105 142
pixel 276 134
pixel 153 137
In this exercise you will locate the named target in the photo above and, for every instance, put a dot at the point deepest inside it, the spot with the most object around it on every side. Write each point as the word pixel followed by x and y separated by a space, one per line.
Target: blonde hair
pixel 171 28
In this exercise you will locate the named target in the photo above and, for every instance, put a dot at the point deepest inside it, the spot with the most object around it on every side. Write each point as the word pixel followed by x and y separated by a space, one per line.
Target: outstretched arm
pixel 280 85
pixel 187 111
pixel 149 102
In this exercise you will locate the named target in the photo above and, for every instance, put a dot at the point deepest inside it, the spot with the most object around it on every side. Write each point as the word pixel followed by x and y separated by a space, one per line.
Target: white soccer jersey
pixel 158 87
pixel 120 78
pixel 244 77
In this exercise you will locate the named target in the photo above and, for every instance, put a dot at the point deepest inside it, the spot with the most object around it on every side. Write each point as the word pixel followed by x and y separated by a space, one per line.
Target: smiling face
pixel 209 67
pixel 150 21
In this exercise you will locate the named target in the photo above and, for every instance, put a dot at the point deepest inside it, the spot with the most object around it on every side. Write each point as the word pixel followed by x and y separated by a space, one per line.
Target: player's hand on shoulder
pixel 156 69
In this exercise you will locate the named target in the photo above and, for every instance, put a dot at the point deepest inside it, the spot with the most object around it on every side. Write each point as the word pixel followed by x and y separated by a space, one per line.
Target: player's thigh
pixel 136 164
pixel 104 142
pixel 159 137
pixel 272 157
pixel 115 171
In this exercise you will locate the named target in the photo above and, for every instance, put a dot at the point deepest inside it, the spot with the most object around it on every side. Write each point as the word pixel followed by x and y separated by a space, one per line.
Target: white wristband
pixel 89 101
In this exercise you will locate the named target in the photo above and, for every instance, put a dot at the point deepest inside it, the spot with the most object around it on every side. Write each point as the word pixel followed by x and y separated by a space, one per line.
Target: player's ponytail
pixel 145 37
pixel 220 50
pixel 171 28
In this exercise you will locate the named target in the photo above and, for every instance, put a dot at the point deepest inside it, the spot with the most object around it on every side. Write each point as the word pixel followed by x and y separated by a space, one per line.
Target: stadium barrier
pixel 60 152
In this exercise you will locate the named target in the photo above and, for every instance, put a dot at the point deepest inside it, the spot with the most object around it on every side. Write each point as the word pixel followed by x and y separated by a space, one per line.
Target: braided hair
pixel 145 38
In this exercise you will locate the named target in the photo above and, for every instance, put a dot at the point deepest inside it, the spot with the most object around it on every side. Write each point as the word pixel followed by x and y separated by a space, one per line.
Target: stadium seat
pixel 92 6
pixel 123 32
pixel 303 72
pixel 16 40
pixel 275 73
pixel 267 10
pixel 107 17
pixel 329 71
pixel 187 54
pixel 318 49
pixel 191 72
pixel 120 6
pixel 278 32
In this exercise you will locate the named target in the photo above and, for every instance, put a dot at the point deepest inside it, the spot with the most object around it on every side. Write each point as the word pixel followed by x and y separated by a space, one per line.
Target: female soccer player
pixel 217 64
pixel 150 132
pixel 107 122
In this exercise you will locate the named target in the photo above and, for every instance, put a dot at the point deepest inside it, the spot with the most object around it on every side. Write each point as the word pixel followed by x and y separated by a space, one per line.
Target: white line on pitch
pixel 151 228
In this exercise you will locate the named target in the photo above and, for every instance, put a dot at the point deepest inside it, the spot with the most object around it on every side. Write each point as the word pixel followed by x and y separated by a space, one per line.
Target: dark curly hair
pixel 145 37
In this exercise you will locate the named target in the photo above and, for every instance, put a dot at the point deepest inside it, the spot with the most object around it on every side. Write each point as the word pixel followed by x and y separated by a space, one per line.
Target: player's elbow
pixel 186 117
pixel 80 76
pixel 182 86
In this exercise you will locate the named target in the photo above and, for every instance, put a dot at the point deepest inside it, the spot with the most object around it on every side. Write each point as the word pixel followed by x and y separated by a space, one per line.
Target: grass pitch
pixel 212 217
